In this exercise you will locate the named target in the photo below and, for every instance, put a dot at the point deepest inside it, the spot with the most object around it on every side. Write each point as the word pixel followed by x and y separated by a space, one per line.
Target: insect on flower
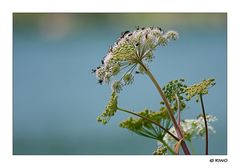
pixel 124 33
pixel 110 49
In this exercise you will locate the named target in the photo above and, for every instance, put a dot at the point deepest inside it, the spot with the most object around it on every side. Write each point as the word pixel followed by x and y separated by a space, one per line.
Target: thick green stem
pixel 206 126
pixel 154 122
pixel 178 131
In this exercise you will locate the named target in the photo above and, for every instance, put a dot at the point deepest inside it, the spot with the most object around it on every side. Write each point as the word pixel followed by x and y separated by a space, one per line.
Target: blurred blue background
pixel 57 99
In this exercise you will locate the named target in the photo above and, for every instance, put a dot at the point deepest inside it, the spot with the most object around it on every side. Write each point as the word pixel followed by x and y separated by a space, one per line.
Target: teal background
pixel 56 99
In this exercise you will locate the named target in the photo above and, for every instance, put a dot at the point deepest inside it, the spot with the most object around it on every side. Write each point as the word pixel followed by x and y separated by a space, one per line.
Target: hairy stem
pixel 206 126
pixel 154 122
pixel 177 128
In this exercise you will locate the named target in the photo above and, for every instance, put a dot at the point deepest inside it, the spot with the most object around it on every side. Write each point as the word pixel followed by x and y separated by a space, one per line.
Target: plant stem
pixel 178 131
pixel 154 122
pixel 205 122
pixel 179 113
pixel 168 147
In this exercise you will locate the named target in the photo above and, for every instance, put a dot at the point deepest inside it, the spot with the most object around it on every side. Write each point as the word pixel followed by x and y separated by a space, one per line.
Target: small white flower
pixel 100 73
pixel 116 86
pixel 172 35
pixel 192 128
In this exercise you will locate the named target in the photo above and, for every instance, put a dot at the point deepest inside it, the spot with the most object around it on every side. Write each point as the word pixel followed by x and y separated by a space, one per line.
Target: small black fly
pixel 100 81
pixel 124 33
pixel 146 36
pixel 137 72
pixel 94 70
pixel 159 28
pixel 110 49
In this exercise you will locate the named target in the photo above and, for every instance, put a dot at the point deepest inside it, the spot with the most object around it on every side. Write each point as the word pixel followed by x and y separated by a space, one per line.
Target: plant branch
pixel 205 122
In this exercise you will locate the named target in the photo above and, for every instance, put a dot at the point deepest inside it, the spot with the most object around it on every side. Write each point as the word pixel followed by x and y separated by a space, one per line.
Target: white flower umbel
pixel 131 50
pixel 192 129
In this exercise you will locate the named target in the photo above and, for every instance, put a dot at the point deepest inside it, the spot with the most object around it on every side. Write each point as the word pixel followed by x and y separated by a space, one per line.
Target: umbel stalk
pixel 179 133
pixel 206 126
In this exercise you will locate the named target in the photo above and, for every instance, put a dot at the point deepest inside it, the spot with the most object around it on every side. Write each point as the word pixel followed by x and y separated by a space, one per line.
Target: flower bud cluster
pixel 200 88
pixel 110 109
pixel 174 88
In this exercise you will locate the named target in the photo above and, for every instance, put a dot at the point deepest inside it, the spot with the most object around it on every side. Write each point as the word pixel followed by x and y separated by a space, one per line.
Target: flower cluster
pixel 174 88
pixel 110 109
pixel 192 128
pixel 161 150
pixel 130 51
pixel 200 88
